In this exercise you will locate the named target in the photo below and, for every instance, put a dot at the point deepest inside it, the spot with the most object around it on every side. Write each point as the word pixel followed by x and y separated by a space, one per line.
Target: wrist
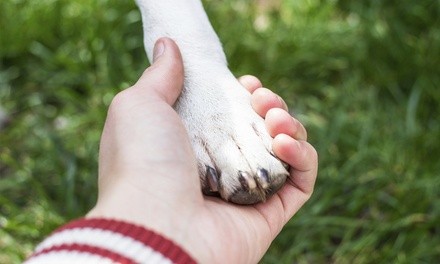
pixel 176 224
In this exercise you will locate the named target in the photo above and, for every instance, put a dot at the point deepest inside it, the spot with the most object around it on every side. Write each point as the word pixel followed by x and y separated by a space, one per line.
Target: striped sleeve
pixel 98 240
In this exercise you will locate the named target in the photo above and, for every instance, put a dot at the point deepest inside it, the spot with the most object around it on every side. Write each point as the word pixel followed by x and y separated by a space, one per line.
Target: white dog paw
pixel 230 140
pixel 231 143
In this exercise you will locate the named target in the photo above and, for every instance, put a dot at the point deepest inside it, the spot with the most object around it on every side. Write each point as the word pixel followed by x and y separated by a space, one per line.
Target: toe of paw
pixel 244 197
pixel 244 188
pixel 210 180
pixel 257 188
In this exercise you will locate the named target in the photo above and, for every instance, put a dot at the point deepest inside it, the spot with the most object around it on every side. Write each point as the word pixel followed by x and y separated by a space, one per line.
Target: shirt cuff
pixel 99 240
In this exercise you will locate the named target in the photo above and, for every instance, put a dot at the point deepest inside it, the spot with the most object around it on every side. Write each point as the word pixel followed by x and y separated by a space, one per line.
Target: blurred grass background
pixel 362 75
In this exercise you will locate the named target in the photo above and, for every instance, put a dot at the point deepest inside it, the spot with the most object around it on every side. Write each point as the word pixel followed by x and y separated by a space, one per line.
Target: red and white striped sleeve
pixel 98 240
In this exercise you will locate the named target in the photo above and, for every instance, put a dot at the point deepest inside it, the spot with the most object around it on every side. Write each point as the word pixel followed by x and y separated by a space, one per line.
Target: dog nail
pixel 246 180
pixel 285 165
pixel 212 176
pixel 263 178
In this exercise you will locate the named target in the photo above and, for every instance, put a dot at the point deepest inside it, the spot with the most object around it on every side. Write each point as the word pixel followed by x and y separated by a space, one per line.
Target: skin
pixel 148 174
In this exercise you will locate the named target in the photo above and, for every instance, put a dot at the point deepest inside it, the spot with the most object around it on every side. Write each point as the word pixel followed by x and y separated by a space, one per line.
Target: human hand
pixel 148 173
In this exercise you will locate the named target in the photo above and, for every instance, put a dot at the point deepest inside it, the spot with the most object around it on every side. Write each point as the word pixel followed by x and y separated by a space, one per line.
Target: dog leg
pixel 230 140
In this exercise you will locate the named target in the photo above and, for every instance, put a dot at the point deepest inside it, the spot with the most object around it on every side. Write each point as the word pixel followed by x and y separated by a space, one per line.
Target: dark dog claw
pixel 246 180
pixel 212 176
pixel 285 165
pixel 263 178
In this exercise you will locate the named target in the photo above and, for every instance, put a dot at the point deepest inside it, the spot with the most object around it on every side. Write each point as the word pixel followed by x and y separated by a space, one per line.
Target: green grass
pixel 362 75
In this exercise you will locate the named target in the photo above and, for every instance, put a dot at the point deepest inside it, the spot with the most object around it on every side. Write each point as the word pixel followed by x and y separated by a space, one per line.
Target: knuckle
pixel 121 100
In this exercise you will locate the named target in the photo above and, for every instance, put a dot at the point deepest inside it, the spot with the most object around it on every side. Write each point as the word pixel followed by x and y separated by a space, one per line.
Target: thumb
pixel 164 78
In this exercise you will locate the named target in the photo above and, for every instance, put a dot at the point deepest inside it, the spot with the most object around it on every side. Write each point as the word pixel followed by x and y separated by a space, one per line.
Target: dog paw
pixel 230 140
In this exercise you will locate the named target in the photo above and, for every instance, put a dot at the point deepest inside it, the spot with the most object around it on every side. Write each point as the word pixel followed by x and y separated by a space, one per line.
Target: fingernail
pixel 301 133
pixel 159 49
pixel 282 102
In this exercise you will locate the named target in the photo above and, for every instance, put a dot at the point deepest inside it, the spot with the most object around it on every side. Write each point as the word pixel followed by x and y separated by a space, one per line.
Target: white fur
pixel 215 108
